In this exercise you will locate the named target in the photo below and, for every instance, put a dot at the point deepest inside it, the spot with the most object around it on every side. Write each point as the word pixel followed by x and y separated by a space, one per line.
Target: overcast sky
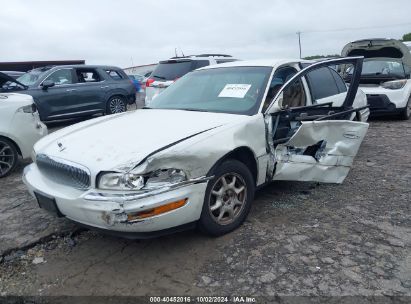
pixel 141 32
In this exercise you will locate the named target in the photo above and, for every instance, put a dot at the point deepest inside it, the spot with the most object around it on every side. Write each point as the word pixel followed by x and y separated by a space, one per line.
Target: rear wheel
pixel 8 157
pixel 116 104
pixel 228 198
pixel 406 112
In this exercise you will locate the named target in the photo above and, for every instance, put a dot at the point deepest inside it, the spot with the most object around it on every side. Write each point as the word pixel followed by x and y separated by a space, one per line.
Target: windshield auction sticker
pixel 234 90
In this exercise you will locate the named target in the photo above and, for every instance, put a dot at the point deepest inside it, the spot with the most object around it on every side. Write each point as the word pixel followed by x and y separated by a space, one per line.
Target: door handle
pixel 105 87
pixel 70 90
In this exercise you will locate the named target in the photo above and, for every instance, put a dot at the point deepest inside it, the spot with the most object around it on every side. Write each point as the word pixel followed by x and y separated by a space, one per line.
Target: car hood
pixel 119 142
pixel 378 48
pixel 5 78
pixel 15 100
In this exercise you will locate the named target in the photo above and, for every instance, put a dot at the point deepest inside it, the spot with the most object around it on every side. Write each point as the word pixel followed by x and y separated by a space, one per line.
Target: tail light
pixel 149 82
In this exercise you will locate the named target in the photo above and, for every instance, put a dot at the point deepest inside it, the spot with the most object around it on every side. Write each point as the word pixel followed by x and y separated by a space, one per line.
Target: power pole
pixel 299 41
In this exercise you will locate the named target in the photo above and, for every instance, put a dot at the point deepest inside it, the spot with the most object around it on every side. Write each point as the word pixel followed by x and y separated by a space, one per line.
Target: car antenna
pixel 182 51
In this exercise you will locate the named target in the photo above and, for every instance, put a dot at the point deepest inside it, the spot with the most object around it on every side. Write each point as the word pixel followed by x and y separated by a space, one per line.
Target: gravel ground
pixel 299 239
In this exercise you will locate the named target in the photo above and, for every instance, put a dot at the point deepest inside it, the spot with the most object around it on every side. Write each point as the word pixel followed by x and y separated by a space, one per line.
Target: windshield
pixel 29 78
pixel 382 67
pixel 236 90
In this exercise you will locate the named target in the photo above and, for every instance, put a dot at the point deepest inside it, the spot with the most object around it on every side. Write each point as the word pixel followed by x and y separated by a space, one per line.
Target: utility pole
pixel 299 41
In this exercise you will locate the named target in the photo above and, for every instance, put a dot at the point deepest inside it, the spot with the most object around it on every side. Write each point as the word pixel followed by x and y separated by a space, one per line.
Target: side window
pixel 60 77
pixel 322 84
pixel 281 76
pixel 87 75
pixel 114 74
pixel 339 81
pixel 201 63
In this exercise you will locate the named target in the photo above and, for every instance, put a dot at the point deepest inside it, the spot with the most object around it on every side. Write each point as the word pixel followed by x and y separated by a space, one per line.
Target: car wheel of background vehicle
pixel 8 156
pixel 227 199
pixel 116 104
pixel 406 113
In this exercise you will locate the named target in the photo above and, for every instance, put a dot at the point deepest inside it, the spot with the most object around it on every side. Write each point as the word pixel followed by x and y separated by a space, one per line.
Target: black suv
pixel 62 92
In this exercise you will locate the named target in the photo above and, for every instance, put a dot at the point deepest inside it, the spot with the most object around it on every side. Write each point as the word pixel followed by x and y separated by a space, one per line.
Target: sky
pixel 126 32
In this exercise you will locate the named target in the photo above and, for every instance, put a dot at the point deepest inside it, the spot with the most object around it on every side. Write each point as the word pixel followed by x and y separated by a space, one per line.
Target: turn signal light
pixel 157 210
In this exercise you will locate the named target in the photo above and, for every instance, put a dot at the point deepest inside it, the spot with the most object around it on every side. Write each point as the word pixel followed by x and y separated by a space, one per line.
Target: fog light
pixel 156 211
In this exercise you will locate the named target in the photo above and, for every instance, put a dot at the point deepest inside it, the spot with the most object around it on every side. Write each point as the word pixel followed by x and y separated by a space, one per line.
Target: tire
pixel 8 156
pixel 222 211
pixel 406 112
pixel 116 104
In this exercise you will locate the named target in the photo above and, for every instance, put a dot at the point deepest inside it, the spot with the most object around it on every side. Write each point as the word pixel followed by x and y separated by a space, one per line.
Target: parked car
pixel 385 76
pixel 206 144
pixel 168 71
pixel 137 80
pixel 62 92
pixel 20 128
pixel 14 74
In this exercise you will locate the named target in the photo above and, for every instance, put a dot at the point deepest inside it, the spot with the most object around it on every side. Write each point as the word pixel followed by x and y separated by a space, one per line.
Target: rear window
pixel 114 74
pixel 172 69
pixel 225 60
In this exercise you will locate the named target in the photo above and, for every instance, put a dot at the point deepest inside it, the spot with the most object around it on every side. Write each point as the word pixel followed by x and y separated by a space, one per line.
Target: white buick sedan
pixel 197 155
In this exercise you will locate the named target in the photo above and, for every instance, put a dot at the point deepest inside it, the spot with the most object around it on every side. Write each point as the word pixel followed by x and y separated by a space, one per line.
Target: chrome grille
pixel 63 171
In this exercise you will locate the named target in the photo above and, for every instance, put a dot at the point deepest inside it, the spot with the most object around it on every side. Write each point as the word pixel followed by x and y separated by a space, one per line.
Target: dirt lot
pixel 299 239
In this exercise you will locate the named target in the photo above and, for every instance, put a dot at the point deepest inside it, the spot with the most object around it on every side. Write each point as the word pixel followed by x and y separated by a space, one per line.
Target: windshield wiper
pixel 145 107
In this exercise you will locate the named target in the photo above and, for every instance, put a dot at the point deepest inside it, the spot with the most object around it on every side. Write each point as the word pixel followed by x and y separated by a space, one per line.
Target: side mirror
pixel 47 84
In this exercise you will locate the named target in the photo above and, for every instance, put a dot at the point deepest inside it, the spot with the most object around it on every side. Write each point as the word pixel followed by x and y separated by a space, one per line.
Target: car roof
pixel 275 62
pixel 200 57
pixel 77 66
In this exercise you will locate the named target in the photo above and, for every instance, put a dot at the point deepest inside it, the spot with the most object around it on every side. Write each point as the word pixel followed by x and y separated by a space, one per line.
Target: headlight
pixel 394 85
pixel 131 181
pixel 28 109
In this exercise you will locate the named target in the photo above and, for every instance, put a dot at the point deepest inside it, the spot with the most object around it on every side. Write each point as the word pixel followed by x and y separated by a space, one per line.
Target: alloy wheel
pixel 7 158
pixel 227 198
pixel 117 105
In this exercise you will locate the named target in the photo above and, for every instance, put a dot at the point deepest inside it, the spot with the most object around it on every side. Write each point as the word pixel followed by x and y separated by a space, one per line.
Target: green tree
pixel 406 37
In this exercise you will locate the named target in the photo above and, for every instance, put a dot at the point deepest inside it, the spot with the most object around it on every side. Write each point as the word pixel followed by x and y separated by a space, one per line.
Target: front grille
pixel 64 172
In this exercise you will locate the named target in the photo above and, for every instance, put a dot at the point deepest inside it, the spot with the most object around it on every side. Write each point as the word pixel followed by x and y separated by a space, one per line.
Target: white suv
pixel 386 75
pixel 168 71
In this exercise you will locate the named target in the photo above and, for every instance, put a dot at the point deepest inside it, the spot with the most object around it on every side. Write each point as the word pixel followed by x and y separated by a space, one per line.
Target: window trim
pixel 57 85
pixel 91 82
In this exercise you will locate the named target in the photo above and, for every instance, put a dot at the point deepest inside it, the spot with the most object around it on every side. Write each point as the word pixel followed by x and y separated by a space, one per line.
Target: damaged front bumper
pixel 111 210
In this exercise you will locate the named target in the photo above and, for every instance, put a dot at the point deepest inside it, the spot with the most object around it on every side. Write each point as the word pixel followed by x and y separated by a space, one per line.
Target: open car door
pixel 316 142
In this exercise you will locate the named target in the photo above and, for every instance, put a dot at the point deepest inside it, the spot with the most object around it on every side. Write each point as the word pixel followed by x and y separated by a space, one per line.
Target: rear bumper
pixel 131 98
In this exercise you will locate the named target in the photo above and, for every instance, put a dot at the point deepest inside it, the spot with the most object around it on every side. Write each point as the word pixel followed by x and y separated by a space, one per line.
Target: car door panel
pixel 53 101
pixel 315 142
pixel 320 151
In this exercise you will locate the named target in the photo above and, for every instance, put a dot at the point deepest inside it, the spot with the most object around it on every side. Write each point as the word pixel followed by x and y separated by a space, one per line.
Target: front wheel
pixel 8 157
pixel 406 112
pixel 227 199
pixel 116 104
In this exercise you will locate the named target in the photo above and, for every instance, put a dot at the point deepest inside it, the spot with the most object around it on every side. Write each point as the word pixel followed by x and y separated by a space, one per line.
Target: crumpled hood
pixel 5 78
pixel 128 138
